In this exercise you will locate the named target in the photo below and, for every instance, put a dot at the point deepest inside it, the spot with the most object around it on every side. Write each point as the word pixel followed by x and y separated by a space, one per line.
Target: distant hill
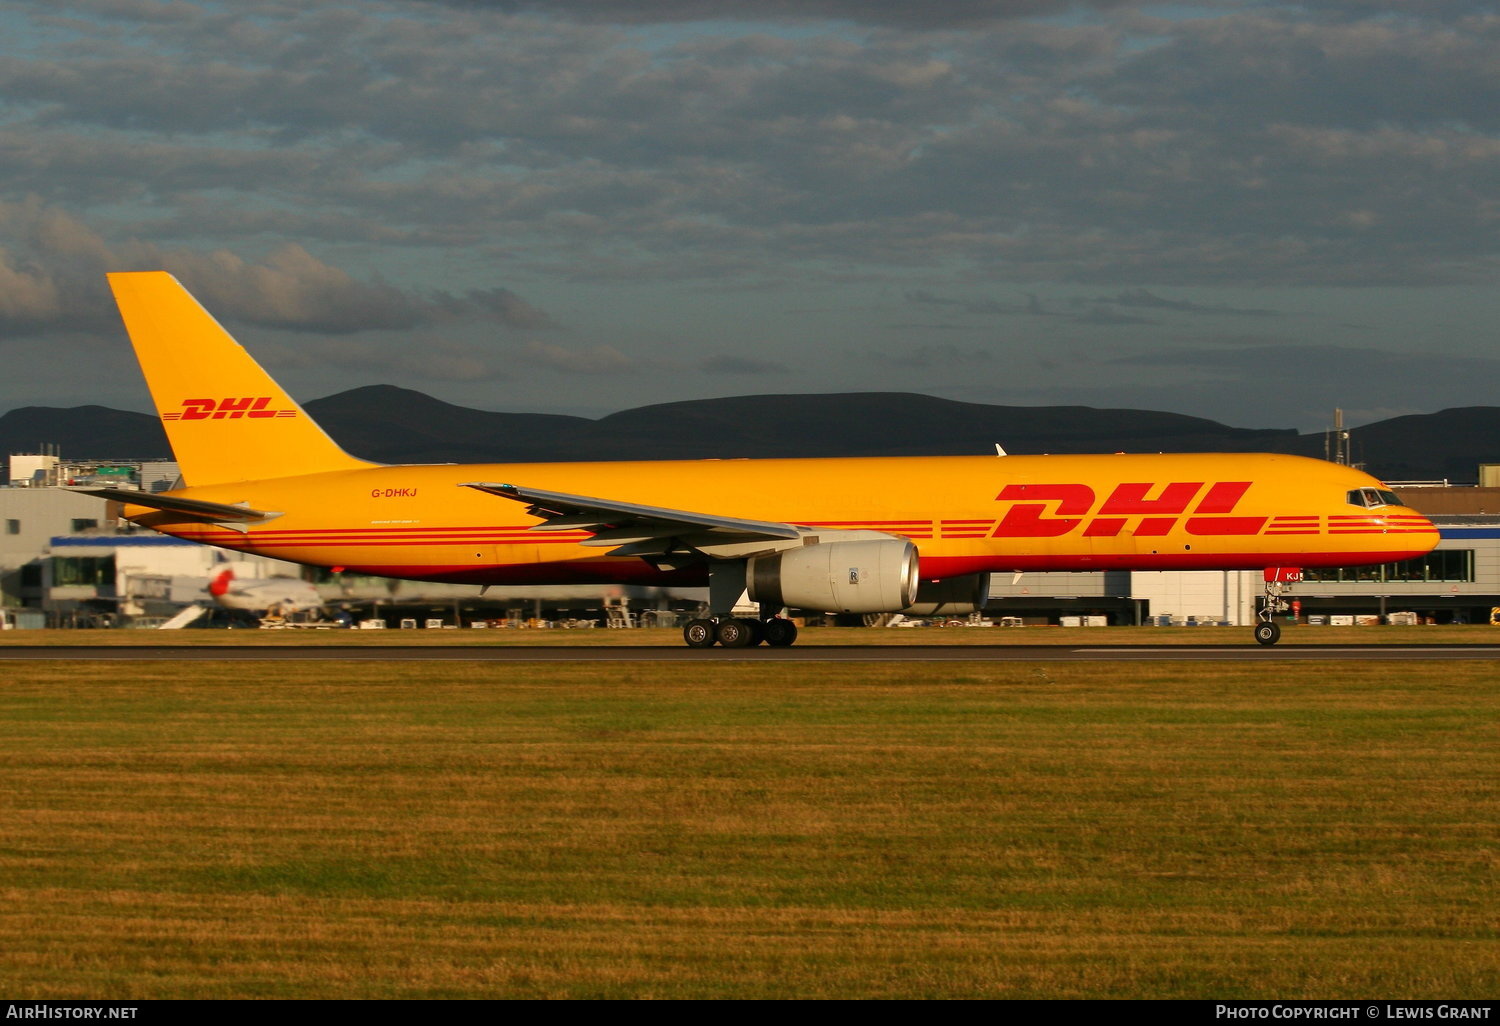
pixel 398 425
pixel 84 432
pixel 898 424
pixel 1449 444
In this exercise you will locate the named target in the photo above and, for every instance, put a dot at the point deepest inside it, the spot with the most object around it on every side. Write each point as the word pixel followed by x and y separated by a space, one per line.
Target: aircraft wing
pixel 627 523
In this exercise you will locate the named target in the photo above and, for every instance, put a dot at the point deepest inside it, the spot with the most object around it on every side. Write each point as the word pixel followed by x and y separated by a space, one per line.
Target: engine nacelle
pixel 878 576
pixel 952 596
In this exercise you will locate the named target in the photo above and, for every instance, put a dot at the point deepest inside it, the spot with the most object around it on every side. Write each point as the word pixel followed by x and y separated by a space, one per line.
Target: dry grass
pixel 1003 830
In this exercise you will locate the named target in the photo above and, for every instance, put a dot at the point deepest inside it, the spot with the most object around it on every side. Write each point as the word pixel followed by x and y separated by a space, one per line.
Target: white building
pixel 29 519
pixel 1459 581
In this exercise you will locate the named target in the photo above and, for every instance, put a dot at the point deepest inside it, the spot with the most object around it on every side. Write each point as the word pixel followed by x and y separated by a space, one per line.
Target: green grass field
pixel 966 830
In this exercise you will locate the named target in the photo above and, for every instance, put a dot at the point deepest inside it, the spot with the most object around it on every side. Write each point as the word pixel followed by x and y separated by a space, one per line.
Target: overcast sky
pixel 1251 212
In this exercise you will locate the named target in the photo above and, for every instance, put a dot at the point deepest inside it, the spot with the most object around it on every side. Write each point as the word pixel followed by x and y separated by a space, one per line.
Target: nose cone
pixel 1407 533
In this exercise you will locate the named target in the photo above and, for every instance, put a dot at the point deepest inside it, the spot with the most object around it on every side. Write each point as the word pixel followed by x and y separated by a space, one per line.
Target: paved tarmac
pixel 803 654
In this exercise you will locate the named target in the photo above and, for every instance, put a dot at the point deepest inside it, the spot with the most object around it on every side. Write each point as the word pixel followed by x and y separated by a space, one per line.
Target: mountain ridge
pixel 391 424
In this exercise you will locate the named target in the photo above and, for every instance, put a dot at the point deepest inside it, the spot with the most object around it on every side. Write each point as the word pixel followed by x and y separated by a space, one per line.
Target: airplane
pixel 854 535
pixel 270 601
pixel 266 597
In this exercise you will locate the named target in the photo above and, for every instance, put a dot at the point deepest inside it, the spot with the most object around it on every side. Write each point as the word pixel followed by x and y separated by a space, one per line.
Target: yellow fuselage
pixel 964 514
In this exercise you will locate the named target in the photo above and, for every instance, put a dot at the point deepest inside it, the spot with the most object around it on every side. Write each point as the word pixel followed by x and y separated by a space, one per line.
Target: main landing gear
pixel 777 631
pixel 726 583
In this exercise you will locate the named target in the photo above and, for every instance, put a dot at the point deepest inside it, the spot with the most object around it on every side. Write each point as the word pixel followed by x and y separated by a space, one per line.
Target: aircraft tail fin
pixel 221 582
pixel 225 417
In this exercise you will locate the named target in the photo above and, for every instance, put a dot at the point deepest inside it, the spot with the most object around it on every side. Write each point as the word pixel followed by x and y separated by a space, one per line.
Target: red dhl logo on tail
pixel 1155 514
pixel 227 409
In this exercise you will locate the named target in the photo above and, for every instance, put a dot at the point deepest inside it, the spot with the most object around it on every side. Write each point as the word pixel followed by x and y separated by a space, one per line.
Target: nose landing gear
pixel 1278 580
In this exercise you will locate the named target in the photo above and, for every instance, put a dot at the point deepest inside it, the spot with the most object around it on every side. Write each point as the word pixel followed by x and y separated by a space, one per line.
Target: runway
pixel 796 654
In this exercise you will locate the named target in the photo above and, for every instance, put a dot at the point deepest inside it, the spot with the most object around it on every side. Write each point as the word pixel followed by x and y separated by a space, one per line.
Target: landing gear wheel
pixel 757 631
pixel 699 634
pixel 780 632
pixel 734 634
pixel 1267 633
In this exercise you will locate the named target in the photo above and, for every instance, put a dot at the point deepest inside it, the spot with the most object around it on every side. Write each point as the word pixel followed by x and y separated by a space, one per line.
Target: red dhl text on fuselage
pixel 965 514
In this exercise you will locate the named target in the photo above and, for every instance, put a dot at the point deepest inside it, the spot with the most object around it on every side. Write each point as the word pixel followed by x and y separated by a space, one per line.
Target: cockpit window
pixel 1370 498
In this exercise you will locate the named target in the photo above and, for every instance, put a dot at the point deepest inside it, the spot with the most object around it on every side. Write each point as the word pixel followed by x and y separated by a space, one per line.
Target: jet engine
pixel 878 576
pixel 952 596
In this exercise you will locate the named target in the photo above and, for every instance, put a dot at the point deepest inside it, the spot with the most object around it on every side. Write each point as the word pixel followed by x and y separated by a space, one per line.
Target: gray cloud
pixel 1312 361
pixel 1145 299
pixel 1105 315
pixel 1100 310
pixel 359 170
pixel 940 355
pixel 740 365
pixel 1032 306
pixel 949 14
pixel 426 357
pixel 1361 73
pixel 593 360
pixel 1245 147
pixel 54 280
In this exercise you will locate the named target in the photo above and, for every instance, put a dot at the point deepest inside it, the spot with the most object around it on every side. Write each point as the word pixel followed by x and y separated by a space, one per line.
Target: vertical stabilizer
pixel 226 419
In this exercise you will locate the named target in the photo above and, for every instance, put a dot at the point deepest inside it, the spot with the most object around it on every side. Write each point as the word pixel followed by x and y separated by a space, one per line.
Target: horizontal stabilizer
pixel 235 517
